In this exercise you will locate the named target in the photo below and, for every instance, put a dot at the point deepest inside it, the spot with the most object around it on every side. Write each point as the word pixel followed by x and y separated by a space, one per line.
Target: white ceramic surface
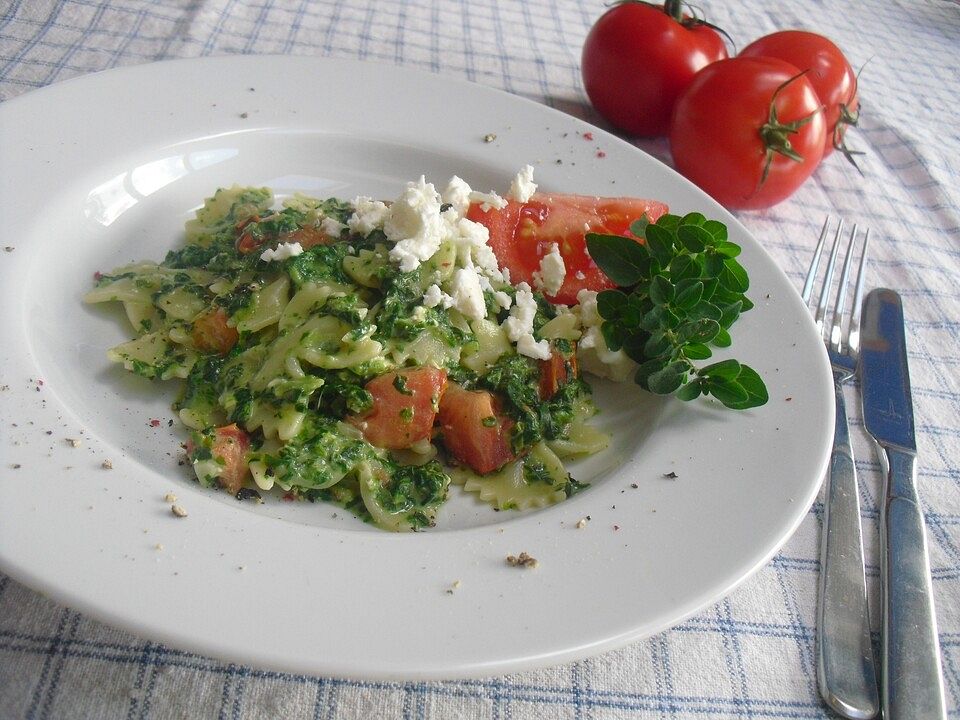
pixel 105 169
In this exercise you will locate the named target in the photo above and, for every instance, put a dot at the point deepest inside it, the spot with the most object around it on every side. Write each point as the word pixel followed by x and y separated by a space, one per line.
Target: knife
pixel 911 680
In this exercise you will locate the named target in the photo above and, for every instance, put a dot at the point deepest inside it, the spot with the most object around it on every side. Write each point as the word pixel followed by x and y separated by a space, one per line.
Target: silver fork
pixel 845 666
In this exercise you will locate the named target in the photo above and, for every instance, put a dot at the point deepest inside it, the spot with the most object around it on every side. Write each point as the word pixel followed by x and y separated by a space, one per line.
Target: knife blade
pixel 911 678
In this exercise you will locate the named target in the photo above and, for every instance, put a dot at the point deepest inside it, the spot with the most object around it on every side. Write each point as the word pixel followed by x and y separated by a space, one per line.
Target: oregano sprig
pixel 679 292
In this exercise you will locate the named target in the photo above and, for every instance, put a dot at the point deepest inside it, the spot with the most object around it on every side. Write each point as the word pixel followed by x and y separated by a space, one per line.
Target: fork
pixel 845 665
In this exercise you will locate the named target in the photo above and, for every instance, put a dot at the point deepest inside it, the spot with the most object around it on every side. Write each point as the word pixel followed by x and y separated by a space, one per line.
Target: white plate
pixel 105 169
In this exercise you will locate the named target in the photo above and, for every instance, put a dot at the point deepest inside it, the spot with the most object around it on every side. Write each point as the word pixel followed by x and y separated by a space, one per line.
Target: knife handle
pixel 845 668
pixel 912 683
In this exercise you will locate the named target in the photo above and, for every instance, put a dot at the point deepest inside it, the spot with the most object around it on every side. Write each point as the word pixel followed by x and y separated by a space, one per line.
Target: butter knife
pixel 911 679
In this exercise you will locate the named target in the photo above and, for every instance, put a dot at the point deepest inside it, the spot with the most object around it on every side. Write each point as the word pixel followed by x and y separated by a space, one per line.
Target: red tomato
pixel 306 236
pixel 475 432
pixel 212 334
pixel 639 58
pixel 403 410
pixel 557 372
pixel 231 445
pixel 723 138
pixel 829 72
pixel 522 233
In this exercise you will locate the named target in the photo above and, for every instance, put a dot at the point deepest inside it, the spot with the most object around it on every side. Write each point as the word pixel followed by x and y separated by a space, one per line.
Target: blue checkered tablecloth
pixel 752 654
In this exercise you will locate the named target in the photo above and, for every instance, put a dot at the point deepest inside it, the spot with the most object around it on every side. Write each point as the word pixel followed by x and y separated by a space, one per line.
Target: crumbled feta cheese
pixel 435 296
pixel 457 194
pixel 587 302
pixel 283 251
pixel 414 223
pixel 502 299
pixel 369 215
pixel 331 227
pixel 488 200
pixel 467 294
pixel 523 187
pixel 473 247
pixel 552 272
pixel 592 352
pixel 537 349
pixel 519 325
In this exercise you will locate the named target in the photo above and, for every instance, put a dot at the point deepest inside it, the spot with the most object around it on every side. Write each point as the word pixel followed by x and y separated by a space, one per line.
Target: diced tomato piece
pixel 308 237
pixel 404 407
pixel 231 445
pixel 475 432
pixel 522 233
pixel 557 372
pixel 211 333
pixel 246 242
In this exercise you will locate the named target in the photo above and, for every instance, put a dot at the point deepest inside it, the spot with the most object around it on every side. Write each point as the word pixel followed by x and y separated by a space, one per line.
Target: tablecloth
pixel 750 655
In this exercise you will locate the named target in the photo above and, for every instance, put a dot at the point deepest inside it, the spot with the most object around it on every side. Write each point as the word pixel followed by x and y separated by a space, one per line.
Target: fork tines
pixel 834 338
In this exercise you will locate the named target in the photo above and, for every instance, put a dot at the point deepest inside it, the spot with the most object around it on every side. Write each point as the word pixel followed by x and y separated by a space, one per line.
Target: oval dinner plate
pixel 105 169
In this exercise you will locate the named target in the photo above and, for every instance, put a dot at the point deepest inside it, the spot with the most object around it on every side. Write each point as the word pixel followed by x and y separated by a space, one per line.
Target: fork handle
pixel 912 682
pixel 845 665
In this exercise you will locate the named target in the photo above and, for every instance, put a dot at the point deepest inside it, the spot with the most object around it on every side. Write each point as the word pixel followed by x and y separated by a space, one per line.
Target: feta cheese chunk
pixel 368 215
pixel 523 187
pixel 537 349
pixel 519 325
pixel 414 223
pixel 331 227
pixel 282 252
pixel 435 296
pixel 467 294
pixel 473 247
pixel 488 200
pixel 502 299
pixel 552 272
pixel 457 194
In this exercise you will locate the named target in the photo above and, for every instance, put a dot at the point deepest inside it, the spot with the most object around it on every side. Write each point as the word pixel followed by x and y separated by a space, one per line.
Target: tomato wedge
pixel 475 432
pixel 522 233
pixel 404 407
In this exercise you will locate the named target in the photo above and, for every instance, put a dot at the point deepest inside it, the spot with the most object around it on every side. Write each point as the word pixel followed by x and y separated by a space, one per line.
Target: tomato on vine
pixel 829 72
pixel 639 57
pixel 748 131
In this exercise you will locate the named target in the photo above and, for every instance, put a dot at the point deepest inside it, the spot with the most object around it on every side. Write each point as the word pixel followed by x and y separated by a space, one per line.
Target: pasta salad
pixel 368 353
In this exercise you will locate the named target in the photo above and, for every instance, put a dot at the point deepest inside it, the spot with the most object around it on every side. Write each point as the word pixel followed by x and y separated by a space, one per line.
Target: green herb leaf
pixel 689 292
pixel 690 391
pixel 717 230
pixel 667 380
pixel 693 237
pixel 733 276
pixel 697 351
pixel 729 392
pixel 660 243
pixel 752 383
pixel 699 331
pixel 610 303
pixel 624 261
pixel 724 370
pixel 661 291
pixel 728 249
pixel 639 226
